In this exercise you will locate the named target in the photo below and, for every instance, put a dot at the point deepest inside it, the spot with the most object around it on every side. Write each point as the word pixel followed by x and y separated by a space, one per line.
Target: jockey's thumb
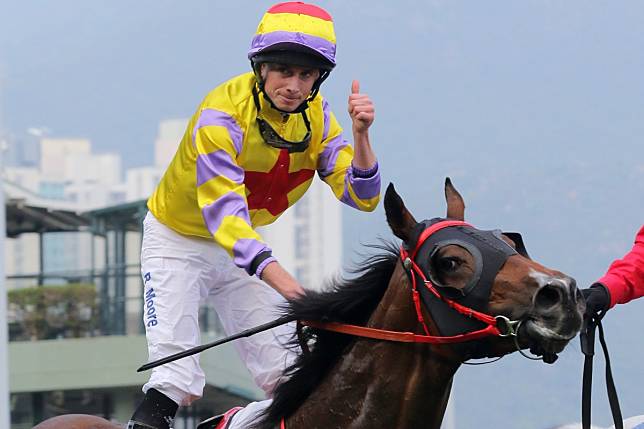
pixel 355 87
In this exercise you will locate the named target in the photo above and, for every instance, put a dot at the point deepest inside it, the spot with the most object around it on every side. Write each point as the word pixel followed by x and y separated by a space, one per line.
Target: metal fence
pixel 82 304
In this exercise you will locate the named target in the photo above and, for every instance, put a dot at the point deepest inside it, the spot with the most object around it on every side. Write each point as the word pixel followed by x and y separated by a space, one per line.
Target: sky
pixel 535 109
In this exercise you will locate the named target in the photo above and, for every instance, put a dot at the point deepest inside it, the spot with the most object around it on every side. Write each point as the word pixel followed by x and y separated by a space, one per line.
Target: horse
pixel 381 347
pixel 434 291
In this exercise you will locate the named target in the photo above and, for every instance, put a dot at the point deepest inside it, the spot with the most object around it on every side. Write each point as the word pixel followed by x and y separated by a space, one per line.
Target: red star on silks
pixel 270 190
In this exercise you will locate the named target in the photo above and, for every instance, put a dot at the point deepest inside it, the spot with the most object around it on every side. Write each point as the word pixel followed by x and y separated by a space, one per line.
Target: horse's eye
pixel 448 264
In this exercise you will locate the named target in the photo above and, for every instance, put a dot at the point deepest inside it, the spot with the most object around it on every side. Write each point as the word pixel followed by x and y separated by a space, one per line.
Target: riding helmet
pixel 295 33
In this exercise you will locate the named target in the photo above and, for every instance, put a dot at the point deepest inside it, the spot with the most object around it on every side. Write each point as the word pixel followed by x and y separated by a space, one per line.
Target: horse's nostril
pixel 548 296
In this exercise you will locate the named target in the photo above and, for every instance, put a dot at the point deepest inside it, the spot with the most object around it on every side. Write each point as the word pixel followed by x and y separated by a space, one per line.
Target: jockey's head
pixel 292 53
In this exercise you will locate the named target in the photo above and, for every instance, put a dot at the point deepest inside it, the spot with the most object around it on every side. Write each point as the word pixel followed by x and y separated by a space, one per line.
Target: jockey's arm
pixel 282 281
pixel 364 157
pixel 362 112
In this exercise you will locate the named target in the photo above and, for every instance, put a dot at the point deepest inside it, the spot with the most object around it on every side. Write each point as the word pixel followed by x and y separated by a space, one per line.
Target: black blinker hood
pixel 490 253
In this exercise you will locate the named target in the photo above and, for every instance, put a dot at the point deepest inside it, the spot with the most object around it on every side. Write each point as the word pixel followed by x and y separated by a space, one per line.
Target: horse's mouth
pixel 546 339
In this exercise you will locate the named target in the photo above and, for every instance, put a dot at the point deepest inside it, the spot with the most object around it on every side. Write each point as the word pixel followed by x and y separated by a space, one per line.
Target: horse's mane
pixel 348 300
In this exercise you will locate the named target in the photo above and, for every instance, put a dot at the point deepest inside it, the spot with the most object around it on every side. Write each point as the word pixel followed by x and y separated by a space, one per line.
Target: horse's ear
pixel 455 203
pixel 398 217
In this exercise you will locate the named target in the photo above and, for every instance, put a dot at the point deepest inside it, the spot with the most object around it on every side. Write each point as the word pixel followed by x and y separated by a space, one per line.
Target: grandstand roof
pixel 23 217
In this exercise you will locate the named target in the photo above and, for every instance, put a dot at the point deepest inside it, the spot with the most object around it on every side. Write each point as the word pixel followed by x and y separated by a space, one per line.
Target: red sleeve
pixel 625 277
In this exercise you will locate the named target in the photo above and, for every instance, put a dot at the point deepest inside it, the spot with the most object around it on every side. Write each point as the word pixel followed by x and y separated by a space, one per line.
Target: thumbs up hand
pixel 361 109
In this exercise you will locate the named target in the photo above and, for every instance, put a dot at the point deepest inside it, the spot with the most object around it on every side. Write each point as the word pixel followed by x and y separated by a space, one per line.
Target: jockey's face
pixel 288 86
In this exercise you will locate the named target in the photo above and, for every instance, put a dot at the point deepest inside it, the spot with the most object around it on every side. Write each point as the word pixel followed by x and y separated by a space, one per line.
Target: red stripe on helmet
pixel 301 9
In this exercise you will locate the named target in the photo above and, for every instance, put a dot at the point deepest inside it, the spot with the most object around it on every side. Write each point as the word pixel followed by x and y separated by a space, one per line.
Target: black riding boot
pixel 156 411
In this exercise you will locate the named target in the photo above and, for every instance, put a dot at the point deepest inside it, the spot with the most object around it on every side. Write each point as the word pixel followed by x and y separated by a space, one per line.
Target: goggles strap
pixel 272 138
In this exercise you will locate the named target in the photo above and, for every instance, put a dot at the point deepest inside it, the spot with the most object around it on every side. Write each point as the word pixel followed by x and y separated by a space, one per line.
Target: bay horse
pixel 380 349
pixel 432 297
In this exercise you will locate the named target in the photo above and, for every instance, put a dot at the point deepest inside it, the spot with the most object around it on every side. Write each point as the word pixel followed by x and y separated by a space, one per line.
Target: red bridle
pixel 407 258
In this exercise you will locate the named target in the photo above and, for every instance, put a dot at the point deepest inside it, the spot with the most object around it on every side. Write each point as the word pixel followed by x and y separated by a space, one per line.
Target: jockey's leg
pixel 173 269
pixel 248 415
pixel 243 302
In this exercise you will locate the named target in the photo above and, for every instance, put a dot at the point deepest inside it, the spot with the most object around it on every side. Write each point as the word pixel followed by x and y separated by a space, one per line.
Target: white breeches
pixel 180 272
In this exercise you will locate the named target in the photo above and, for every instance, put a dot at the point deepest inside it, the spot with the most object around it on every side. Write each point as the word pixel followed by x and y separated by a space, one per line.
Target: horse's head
pixel 460 271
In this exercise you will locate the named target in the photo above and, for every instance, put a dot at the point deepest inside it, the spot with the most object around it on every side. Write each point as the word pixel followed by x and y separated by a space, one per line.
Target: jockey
pixel 623 282
pixel 249 152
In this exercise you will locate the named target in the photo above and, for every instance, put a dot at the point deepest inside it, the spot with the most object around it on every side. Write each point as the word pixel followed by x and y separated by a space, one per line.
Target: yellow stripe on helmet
pixel 297 24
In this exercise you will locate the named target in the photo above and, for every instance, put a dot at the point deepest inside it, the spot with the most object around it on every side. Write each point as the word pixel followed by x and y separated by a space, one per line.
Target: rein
pixel 587 338
pixel 397 336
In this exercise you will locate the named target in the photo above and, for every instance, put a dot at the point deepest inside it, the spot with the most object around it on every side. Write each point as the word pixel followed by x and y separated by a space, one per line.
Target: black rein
pixel 587 338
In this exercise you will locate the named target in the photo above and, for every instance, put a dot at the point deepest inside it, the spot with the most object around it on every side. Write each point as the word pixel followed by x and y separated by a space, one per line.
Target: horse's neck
pixel 383 384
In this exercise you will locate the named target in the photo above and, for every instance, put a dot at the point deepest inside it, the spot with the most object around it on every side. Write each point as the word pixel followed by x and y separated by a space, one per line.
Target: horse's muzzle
pixel 556 315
